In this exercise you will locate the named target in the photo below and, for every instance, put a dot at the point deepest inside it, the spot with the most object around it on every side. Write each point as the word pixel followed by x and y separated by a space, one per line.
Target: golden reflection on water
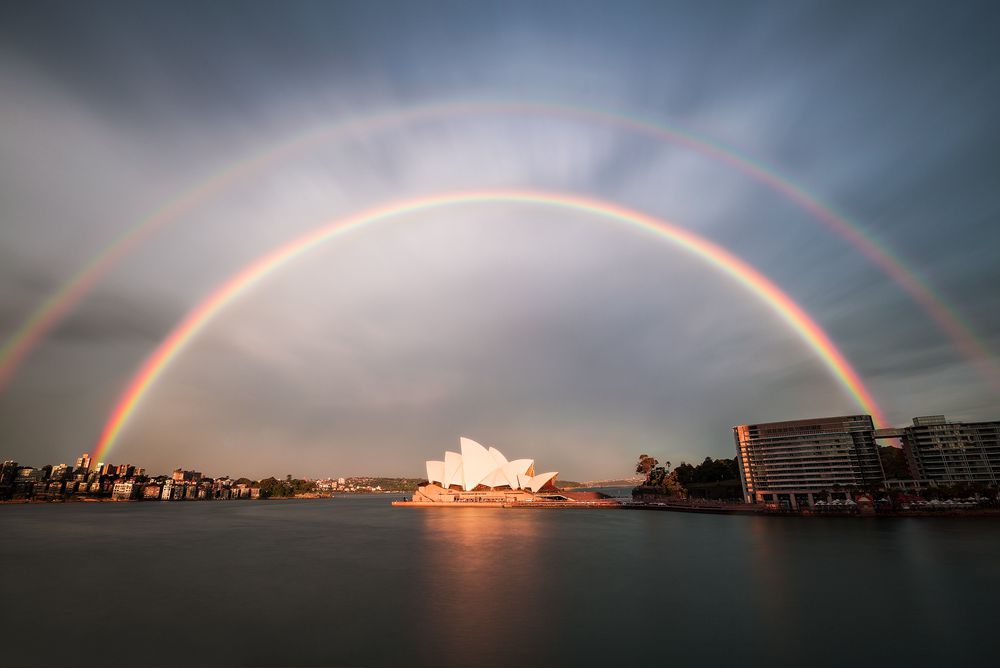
pixel 765 538
pixel 773 605
pixel 478 570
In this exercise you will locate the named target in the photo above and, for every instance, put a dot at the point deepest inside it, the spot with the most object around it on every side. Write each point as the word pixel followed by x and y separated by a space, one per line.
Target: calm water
pixel 354 582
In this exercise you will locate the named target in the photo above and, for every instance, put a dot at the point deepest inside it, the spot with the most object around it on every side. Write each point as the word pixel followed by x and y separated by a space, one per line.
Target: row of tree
pixel 675 481
pixel 710 470
pixel 273 488
pixel 719 470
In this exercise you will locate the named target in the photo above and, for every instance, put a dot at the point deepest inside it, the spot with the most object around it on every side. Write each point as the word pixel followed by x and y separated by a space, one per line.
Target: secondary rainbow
pixel 237 285
pixel 30 333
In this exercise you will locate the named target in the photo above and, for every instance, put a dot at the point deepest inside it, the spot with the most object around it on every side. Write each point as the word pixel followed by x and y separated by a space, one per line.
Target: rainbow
pixel 31 331
pixel 261 268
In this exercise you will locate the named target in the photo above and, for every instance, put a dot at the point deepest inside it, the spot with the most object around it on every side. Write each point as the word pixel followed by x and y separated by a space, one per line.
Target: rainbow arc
pixel 50 312
pixel 260 269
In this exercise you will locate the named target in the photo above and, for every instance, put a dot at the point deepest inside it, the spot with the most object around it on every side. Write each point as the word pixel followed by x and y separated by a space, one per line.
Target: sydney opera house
pixel 481 475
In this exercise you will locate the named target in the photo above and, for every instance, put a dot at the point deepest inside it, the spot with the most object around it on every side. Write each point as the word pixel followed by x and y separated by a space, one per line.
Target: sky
pixel 550 334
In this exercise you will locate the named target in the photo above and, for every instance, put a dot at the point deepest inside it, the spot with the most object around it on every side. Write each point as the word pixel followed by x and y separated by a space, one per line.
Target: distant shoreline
pixel 40 502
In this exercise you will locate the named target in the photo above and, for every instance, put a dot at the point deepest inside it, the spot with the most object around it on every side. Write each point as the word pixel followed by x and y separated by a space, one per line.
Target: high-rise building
pixel 952 452
pixel 61 472
pixel 788 463
pixel 83 462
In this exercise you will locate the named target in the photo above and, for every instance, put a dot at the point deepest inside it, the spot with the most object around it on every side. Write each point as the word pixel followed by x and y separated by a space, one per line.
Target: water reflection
pixel 883 579
pixel 356 582
pixel 478 574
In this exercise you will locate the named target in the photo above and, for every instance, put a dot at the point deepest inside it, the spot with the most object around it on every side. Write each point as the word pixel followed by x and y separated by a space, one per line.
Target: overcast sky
pixel 549 334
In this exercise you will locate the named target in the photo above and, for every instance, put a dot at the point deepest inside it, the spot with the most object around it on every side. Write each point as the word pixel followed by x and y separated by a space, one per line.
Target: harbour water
pixel 353 582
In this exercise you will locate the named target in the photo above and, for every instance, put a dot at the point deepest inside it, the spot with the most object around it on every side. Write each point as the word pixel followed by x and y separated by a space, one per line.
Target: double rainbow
pixel 30 333
pixel 263 267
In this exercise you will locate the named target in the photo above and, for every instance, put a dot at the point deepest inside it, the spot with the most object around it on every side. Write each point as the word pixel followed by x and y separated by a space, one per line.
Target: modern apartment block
pixel 951 452
pixel 788 463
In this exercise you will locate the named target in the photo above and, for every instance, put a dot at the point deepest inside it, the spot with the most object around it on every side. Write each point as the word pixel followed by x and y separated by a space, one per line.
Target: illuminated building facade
pixel 789 463
pixel 952 452
pixel 83 462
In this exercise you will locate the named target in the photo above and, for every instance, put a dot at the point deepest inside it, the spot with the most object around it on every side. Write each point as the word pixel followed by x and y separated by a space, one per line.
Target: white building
pixel 478 466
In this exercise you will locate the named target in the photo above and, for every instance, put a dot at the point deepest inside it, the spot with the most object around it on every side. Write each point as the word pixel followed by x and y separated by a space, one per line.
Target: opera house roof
pixel 476 466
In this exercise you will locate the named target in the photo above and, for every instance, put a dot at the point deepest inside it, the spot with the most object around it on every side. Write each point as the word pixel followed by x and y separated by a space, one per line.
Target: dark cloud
pixel 538 330
pixel 108 318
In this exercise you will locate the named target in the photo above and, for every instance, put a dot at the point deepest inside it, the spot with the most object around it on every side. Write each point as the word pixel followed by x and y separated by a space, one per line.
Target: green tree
pixel 656 476
pixel 645 465
pixel 270 487
pixel 894 463
pixel 685 473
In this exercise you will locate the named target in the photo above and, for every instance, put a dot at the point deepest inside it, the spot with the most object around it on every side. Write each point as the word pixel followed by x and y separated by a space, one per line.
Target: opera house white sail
pixel 476 466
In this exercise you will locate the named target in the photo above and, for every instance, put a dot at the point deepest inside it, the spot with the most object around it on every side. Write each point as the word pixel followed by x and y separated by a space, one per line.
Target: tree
pixel 685 473
pixel 894 463
pixel 645 465
pixel 667 480
pixel 656 476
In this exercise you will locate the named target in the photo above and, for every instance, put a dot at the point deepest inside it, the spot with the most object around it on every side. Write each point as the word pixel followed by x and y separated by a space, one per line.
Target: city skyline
pixel 543 330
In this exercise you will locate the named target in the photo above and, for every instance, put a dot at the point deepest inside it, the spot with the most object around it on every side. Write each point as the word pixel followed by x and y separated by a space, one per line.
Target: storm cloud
pixel 548 333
